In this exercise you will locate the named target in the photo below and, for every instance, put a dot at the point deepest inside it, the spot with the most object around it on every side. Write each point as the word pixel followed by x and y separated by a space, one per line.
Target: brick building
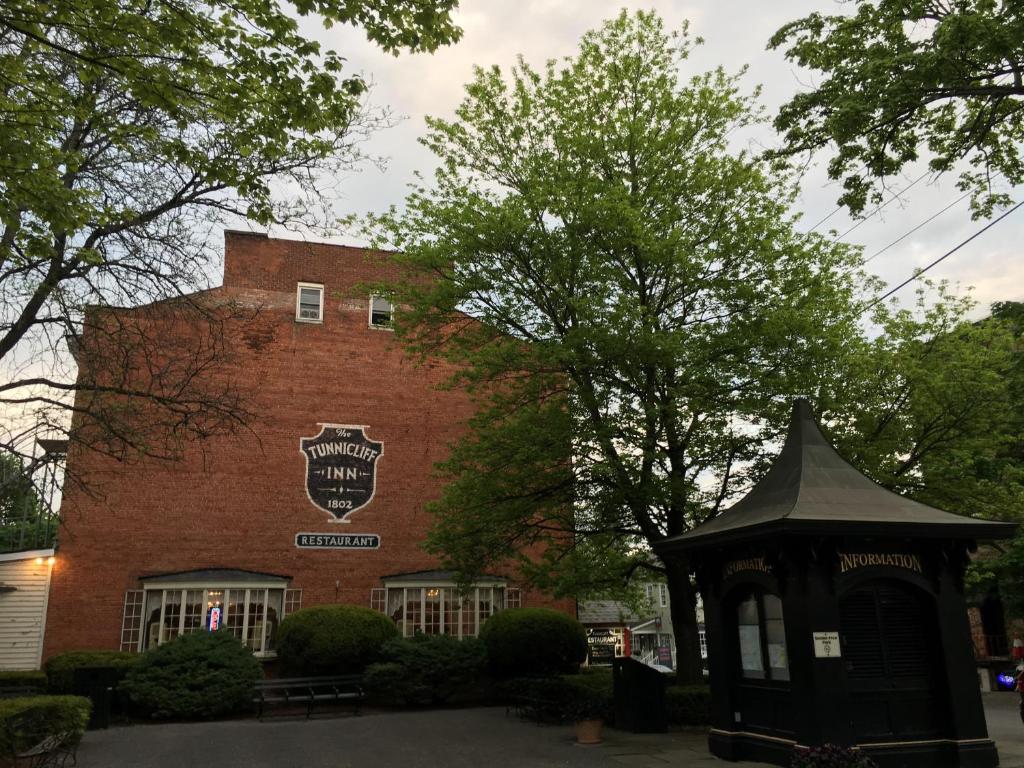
pixel 322 503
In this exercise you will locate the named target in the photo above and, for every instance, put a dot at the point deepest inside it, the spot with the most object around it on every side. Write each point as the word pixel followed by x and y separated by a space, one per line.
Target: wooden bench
pixel 341 689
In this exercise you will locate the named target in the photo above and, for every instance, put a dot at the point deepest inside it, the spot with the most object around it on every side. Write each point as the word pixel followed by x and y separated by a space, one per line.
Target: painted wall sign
pixel 826 645
pixel 341 469
pixel 337 541
pixel 850 560
pixel 746 564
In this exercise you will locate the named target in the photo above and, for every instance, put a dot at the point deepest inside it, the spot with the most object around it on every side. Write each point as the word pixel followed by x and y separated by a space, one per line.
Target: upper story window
pixel 309 303
pixel 657 595
pixel 382 312
pixel 762 637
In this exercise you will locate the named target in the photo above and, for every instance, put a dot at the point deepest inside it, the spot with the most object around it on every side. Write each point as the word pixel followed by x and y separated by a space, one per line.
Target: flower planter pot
pixel 589 731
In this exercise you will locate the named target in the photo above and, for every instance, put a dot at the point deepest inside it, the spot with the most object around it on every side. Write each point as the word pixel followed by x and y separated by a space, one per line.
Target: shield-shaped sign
pixel 341 469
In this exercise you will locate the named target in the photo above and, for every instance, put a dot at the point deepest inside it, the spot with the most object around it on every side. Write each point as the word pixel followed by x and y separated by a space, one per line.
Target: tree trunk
pixel 683 602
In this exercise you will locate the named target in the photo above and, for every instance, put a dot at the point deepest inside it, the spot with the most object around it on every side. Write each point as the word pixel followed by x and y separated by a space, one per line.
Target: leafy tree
pixel 25 523
pixel 131 130
pixel 898 76
pixel 629 300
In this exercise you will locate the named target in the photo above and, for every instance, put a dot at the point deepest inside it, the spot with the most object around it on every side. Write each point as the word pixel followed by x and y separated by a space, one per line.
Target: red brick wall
pixel 238 501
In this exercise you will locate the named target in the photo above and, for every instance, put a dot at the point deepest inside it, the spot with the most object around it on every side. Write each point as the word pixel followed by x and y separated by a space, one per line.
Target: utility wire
pixel 879 207
pixel 905 235
pixel 944 256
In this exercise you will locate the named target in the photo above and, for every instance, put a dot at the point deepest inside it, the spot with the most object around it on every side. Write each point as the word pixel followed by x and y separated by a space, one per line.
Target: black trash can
pixel 639 697
pixel 98 683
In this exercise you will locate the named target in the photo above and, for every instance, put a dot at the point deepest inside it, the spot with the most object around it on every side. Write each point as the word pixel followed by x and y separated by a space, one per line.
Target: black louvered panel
pixel 861 636
pixel 905 631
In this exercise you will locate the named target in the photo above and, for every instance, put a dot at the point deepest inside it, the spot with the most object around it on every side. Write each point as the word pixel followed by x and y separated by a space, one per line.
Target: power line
pixel 944 256
pixel 905 235
pixel 877 208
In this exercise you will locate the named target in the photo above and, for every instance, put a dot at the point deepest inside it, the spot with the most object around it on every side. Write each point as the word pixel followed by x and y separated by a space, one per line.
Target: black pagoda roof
pixel 811 489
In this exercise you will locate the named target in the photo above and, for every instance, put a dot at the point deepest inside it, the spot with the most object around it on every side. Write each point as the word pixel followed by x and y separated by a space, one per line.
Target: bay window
pixel 439 608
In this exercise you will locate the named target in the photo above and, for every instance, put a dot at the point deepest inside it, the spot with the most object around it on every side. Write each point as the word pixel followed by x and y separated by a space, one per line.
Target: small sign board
pixel 214 619
pixel 826 645
pixel 337 541
pixel 665 655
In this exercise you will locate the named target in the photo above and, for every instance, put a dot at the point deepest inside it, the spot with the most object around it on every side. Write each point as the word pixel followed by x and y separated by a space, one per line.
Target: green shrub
pixel 533 641
pixel 60 669
pixel 26 721
pixel 332 640
pixel 688 704
pixel 561 698
pixel 427 669
pixel 206 674
pixel 30 678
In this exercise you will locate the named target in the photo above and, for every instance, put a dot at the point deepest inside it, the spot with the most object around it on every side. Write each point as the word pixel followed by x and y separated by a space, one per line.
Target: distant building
pixel 644 633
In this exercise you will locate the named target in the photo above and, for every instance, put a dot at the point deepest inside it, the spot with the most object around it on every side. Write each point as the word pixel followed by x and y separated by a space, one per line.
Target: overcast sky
pixel 735 33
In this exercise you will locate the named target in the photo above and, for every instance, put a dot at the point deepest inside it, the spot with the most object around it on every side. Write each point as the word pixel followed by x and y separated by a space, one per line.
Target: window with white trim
pixel 251 614
pixel 440 609
pixel 292 601
pixel 131 624
pixel 382 313
pixel 657 594
pixel 309 303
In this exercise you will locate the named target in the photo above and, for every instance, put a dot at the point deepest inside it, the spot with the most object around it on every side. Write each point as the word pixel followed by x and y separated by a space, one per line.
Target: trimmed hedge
pixel 60 669
pixel 332 640
pixel 206 674
pixel 562 698
pixel 29 678
pixel 26 721
pixel 425 670
pixel 688 704
pixel 533 641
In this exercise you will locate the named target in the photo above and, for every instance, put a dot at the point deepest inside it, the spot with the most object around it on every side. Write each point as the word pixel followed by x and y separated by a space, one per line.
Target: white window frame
pixel 227 588
pixel 298 303
pixel 369 314
pixel 448 590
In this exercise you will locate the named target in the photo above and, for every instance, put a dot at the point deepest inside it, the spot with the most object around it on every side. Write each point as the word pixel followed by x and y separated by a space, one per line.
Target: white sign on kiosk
pixel 826 645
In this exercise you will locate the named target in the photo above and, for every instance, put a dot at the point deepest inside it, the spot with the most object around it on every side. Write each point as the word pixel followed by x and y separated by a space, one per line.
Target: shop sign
pixel 337 541
pixel 745 564
pixel 851 560
pixel 214 620
pixel 341 469
pixel 601 648
pixel 826 645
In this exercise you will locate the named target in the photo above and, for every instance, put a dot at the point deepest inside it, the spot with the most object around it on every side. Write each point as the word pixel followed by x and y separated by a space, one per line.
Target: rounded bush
pixel 207 674
pixel 533 641
pixel 332 640
pixel 60 669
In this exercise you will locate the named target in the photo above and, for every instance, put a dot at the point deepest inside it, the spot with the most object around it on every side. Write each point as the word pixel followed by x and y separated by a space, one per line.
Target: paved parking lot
pixel 457 738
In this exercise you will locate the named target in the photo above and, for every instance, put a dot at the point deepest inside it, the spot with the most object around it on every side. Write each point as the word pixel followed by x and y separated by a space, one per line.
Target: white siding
pixel 23 611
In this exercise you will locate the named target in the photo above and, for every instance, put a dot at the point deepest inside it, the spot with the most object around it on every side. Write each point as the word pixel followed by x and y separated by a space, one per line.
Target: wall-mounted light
pixel 39 561
pixel 51 560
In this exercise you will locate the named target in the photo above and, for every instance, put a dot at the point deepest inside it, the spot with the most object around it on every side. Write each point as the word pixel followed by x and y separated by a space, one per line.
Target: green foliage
pixel 133 128
pixel 332 640
pixel 688 704
pixel 831 756
pixel 32 678
pixel 25 523
pixel 202 675
pixel 561 698
pixel 630 301
pixel 901 79
pixel 425 670
pixel 26 721
pixel 60 669
pixel 533 641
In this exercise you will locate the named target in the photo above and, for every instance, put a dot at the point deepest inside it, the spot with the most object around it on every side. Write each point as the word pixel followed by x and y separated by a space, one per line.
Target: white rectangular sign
pixel 826 645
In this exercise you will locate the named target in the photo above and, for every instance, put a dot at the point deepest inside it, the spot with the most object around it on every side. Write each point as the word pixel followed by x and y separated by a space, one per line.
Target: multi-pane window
pixel 250 614
pixel 309 303
pixel 131 626
pixel 657 595
pixel 762 637
pixel 292 601
pixel 513 598
pixel 441 609
pixel 382 312
pixel 703 637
